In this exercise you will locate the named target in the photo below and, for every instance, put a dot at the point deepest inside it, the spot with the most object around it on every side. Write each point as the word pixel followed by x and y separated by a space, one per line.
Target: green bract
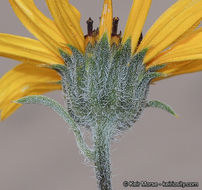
pixel 107 85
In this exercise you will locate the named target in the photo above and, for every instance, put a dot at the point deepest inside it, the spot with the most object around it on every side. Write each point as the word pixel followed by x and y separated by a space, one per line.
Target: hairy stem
pixel 102 159
pixel 43 100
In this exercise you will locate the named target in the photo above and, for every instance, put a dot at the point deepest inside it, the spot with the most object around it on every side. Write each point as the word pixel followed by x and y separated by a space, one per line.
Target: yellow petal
pixel 38 24
pixel 25 74
pixel 191 67
pixel 22 48
pixel 7 111
pixel 173 69
pixel 136 20
pixel 25 79
pixel 106 19
pixel 11 107
pixel 166 17
pixel 76 13
pixel 67 19
pixel 173 24
pixel 186 49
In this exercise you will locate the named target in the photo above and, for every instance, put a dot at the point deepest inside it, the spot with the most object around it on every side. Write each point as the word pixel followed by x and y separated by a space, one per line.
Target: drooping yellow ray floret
pixel 38 24
pixel 25 79
pixel 174 39
pixel 136 20
pixel 186 49
pixel 185 56
pixel 67 19
pixel 178 68
pixel 106 19
pixel 175 22
pixel 24 49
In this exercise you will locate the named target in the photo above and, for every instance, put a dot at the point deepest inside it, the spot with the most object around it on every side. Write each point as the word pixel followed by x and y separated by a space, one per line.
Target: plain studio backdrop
pixel 38 151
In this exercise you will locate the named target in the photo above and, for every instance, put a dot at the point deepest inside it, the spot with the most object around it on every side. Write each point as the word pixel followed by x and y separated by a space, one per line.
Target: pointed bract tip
pixel 176 115
pixel 17 101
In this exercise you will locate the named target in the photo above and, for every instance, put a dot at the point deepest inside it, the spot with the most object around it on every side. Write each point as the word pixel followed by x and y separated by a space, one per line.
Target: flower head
pixel 174 41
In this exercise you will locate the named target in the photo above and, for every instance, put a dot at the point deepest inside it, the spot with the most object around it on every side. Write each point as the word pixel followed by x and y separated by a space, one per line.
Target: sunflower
pixel 105 76
pixel 174 40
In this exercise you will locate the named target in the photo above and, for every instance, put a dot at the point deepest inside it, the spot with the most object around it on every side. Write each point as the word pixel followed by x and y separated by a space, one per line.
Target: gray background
pixel 38 152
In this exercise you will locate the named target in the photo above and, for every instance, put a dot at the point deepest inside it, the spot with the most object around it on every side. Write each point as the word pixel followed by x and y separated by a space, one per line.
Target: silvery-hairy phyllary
pixel 104 76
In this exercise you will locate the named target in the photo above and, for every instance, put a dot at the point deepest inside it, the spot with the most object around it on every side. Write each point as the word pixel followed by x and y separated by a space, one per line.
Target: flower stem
pixel 102 159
